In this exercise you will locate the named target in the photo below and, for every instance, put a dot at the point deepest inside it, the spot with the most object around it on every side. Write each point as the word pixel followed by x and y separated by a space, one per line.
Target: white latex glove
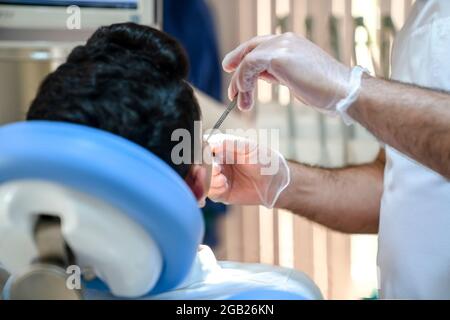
pixel 245 173
pixel 312 75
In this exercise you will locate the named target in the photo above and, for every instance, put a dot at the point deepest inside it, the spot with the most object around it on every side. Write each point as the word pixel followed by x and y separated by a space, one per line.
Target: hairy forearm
pixel 413 120
pixel 346 200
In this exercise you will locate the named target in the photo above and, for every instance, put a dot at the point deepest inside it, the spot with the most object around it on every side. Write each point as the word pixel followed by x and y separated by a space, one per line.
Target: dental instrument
pixel 224 115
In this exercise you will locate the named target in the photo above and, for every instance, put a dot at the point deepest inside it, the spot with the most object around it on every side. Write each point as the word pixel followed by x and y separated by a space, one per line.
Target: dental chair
pixel 87 214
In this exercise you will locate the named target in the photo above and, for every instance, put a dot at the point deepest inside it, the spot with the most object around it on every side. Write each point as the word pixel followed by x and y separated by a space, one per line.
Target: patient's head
pixel 129 80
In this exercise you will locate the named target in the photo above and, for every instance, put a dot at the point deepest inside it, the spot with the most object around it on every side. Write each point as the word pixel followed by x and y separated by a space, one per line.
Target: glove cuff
pixel 355 87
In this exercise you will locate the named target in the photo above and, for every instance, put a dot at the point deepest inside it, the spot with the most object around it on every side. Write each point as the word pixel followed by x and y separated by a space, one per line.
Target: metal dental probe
pixel 224 115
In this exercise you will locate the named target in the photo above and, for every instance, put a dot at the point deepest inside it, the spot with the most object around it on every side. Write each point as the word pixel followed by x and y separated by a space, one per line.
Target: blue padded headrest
pixel 117 171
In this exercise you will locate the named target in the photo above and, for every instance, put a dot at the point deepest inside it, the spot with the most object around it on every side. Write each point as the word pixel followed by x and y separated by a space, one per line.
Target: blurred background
pixel 35 38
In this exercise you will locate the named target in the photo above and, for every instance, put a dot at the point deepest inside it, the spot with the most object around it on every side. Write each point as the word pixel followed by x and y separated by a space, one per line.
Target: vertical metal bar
pixel 339 265
pixel 285 238
pixel 299 13
pixel 384 36
pixel 303 246
pixel 276 238
pixel 346 27
pixel 247 19
pixel 347 52
pixel 320 12
pixel 233 234
pixel 266 236
pixel 251 234
pixel 303 229
pixel 275 225
pixel 285 219
pixel 339 245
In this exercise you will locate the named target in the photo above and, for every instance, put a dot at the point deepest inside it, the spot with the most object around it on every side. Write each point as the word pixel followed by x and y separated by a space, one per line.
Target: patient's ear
pixel 196 180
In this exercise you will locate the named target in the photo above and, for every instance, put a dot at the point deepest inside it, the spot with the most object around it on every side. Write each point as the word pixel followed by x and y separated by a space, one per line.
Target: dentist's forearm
pixel 346 200
pixel 413 120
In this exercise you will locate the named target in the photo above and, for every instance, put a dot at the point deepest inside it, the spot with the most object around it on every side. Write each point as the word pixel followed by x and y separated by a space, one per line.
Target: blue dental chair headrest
pixel 116 171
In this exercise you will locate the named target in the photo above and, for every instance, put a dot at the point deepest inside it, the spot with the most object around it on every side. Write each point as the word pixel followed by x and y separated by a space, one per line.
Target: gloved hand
pixel 246 173
pixel 312 75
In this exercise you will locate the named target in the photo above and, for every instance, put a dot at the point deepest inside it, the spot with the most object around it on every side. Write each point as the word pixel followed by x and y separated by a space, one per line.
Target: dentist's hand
pixel 312 75
pixel 245 173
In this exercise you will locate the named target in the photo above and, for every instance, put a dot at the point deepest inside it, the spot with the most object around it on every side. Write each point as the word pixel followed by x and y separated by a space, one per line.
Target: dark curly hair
pixel 127 79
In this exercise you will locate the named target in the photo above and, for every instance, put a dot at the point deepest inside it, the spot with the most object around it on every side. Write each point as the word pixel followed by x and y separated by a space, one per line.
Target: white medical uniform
pixel 414 234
